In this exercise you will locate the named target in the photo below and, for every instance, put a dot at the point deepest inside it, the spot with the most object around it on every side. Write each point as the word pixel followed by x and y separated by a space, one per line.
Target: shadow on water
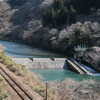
pixel 19 50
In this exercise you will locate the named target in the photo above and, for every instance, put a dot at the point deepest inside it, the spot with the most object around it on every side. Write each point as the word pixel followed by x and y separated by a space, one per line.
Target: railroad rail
pixel 23 94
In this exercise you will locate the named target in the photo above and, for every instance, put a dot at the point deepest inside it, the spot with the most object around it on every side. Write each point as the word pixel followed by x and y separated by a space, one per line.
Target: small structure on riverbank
pixel 96 48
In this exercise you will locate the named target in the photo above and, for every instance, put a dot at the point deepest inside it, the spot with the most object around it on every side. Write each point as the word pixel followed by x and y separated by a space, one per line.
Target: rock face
pixel 90 57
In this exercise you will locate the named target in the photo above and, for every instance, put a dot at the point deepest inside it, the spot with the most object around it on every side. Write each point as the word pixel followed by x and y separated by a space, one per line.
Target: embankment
pixel 26 78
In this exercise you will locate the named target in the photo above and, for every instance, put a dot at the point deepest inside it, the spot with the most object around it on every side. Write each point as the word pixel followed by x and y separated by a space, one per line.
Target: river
pixel 60 74
pixel 18 50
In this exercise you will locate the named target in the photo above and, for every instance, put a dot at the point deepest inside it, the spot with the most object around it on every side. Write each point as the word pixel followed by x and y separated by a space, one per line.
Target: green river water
pixel 24 51
pixel 61 74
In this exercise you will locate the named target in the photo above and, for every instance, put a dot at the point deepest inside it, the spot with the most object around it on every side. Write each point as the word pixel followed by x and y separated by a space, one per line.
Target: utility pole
pixel 46 91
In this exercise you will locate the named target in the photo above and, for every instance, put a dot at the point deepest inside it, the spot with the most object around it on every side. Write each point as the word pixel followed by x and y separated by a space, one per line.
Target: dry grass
pixel 28 77
pixel 73 90
pixel 3 94
pixel 65 90
pixel 1 47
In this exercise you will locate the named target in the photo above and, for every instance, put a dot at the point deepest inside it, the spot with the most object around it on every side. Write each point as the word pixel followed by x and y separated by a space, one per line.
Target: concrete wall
pixel 42 62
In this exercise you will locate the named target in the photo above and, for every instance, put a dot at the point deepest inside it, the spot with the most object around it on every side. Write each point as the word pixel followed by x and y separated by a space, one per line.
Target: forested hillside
pixel 65 11
pixel 57 25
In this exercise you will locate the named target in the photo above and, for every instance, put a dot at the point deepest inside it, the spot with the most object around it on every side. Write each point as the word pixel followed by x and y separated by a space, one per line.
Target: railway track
pixel 22 93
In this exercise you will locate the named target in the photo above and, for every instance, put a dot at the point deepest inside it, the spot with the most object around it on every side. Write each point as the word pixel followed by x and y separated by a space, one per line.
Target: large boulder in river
pixel 90 57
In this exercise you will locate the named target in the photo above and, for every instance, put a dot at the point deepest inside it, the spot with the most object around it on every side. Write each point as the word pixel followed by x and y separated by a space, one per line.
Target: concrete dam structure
pixel 56 63
pixel 47 63
pixel 80 68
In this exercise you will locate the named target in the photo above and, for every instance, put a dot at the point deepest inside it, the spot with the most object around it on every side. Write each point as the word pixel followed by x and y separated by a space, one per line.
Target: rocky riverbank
pixel 90 57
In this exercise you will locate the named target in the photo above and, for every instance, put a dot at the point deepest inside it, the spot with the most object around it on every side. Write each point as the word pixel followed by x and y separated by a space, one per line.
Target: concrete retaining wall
pixel 42 62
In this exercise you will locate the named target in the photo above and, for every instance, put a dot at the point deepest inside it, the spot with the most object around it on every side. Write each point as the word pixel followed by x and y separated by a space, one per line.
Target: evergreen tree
pixel 48 17
pixel 58 4
pixel 67 3
pixel 72 14
pixel 62 17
